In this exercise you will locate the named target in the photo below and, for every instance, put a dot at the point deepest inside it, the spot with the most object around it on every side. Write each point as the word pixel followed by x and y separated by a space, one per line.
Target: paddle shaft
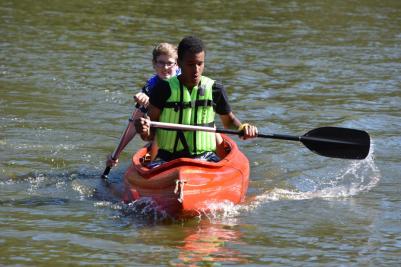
pixel 127 135
pixel 175 126
pixel 333 142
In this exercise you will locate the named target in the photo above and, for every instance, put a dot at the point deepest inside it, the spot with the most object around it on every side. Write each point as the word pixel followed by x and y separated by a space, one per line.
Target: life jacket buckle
pixel 176 107
pixel 145 159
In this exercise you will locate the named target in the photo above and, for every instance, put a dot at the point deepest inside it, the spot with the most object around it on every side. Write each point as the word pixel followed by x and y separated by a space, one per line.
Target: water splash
pixel 85 191
pixel 353 179
pixel 108 204
pixel 145 209
pixel 224 212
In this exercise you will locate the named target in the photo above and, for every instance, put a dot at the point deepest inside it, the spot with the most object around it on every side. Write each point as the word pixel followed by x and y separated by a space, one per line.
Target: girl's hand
pixel 142 99
pixel 110 162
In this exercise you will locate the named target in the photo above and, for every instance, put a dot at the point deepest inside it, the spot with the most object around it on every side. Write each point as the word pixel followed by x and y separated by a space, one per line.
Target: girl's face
pixel 165 66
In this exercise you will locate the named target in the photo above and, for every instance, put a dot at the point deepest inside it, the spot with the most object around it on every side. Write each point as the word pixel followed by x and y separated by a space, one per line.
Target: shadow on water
pixel 78 190
pixel 54 189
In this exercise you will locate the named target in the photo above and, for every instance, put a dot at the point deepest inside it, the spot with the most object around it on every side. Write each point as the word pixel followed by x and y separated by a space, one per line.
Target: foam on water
pixel 223 212
pixel 145 209
pixel 354 178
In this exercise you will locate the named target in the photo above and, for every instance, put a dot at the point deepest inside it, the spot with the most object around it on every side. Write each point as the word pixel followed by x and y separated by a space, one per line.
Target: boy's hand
pixel 249 131
pixel 142 126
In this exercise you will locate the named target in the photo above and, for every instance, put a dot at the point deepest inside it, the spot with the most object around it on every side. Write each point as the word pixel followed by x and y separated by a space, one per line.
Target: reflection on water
pixel 209 244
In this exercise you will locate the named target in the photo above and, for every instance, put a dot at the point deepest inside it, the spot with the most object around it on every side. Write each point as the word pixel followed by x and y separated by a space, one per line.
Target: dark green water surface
pixel 69 69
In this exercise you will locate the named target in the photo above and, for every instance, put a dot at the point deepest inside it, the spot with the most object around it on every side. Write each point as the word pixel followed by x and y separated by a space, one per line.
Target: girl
pixel 164 62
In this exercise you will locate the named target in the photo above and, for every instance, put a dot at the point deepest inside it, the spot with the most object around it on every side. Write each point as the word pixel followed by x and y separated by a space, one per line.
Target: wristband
pixel 242 126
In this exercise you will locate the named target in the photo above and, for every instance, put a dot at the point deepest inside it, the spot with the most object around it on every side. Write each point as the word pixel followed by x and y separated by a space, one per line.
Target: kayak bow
pixel 188 186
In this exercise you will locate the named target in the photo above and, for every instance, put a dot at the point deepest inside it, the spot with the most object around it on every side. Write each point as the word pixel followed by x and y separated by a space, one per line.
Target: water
pixel 68 71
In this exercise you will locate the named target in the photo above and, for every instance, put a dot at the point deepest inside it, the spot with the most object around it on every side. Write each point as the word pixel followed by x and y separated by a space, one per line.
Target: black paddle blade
pixel 338 142
pixel 106 172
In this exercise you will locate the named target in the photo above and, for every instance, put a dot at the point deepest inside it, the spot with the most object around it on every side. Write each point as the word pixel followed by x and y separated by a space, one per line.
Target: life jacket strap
pixel 177 106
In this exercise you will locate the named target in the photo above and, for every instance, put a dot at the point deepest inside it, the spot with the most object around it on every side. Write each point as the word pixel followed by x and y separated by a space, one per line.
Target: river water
pixel 69 69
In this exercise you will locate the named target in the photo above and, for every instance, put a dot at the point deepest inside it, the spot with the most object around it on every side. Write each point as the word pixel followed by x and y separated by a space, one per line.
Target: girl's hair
pixel 164 49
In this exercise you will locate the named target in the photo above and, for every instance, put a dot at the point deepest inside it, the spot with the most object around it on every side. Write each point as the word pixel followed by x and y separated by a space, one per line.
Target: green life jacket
pixel 188 108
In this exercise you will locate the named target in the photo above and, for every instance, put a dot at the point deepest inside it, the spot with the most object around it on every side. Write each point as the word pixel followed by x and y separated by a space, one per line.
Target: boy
pixel 171 101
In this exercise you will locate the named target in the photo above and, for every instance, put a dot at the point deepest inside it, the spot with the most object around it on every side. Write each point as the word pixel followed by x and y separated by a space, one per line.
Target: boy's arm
pixel 230 121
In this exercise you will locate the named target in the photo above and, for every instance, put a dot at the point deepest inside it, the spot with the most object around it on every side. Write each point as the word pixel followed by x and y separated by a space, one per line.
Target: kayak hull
pixel 188 186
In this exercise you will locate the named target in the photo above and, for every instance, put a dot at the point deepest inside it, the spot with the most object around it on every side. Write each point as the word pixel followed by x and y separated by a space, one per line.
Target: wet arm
pixel 230 121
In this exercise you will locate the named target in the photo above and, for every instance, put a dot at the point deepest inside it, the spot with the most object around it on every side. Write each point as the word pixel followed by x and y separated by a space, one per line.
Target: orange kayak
pixel 187 186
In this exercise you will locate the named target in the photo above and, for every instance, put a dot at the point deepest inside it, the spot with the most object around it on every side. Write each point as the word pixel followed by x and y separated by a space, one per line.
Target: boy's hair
pixel 190 44
pixel 164 49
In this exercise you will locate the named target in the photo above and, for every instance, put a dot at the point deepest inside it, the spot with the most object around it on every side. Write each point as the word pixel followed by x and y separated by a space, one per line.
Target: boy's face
pixel 192 66
pixel 165 66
